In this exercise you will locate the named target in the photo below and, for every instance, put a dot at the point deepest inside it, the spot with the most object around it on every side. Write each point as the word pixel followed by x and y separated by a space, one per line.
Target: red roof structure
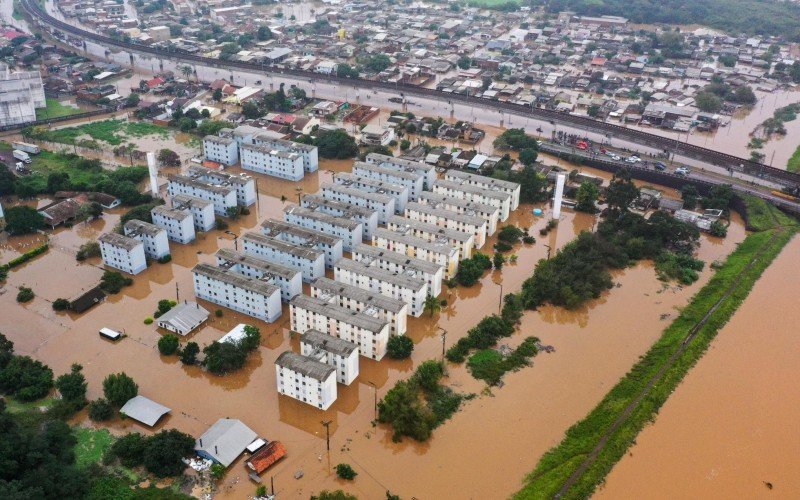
pixel 266 456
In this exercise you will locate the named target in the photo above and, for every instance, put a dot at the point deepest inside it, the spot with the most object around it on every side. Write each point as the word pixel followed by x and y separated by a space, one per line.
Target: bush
pixel 119 388
pixel 486 365
pixel 399 347
pixel 87 250
pixel 218 313
pixel 72 385
pixel 19 260
pixel 129 449
pixel 528 240
pixel 148 321
pixel 168 344
pixel 100 410
pixel 503 246
pixel 217 471
pixel 25 378
pixel 226 357
pixel 483 336
pixel 189 353
pixel 344 471
pixel 165 259
pixel 25 294
pixel 510 234
pixel 60 305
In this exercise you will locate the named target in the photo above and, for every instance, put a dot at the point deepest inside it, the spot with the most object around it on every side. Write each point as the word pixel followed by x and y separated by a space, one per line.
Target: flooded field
pixel 594 345
pixel 730 429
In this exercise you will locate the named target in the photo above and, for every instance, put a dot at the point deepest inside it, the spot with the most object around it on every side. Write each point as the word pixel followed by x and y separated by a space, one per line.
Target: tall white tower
pixel 151 167
pixel 559 196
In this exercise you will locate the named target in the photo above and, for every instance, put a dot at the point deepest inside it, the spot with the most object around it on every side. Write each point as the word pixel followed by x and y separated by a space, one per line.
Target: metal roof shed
pixel 183 318
pixel 224 441
pixel 144 410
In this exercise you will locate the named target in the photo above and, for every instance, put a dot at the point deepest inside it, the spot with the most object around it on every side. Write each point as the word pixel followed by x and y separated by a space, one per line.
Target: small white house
pixel 183 318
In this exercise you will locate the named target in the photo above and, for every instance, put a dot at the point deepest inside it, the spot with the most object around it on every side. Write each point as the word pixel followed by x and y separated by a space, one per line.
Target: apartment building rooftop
pixel 219 140
pixel 309 367
pixel 338 313
pixel 409 174
pixel 470 207
pixel 398 259
pixel 171 213
pixel 328 343
pixel 438 211
pixel 378 300
pixel 440 248
pixel 376 186
pixel 297 146
pixel 270 150
pixel 403 279
pixel 407 226
pixel 136 227
pixel 184 201
pixel 267 267
pixel 119 241
pixel 282 246
pixel 322 217
pixel 235 279
pixel 495 193
pixel 358 193
pixel 315 201
pixel 196 171
pixel 414 165
pixel 202 185
pixel 274 227
pixel 501 184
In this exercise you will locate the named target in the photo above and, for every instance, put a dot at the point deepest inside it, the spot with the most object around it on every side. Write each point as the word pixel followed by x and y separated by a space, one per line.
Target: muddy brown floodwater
pixel 499 436
pixel 731 427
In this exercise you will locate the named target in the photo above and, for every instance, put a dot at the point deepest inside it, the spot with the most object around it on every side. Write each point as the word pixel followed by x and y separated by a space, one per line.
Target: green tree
pixel 528 156
pixel 252 338
pixel 100 410
pixel 264 33
pixel 377 63
pixel 133 100
pixel 164 452
pixel 23 220
pixel 112 282
pixel 224 357
pixel 690 196
pixel 60 305
pixel 8 180
pixel 217 95
pixel 168 344
pixel 118 388
pixel 57 181
pixel 189 353
pixel 587 197
pixel 72 385
pixel 464 62
pixel 129 449
pixel 25 294
pixel 344 471
pixel 336 144
pixel 25 379
pixel 169 158
pixel 498 260
pixel 432 304
pixel 428 374
pixel 399 347
pixel 251 110
pixel 708 102
pixel 333 495
pixel 621 192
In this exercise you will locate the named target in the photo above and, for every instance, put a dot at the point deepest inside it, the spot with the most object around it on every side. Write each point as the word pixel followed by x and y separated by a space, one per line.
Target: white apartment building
pixel 306 379
pixel 367 217
pixel 348 230
pixel 244 184
pixel 484 182
pixel 401 263
pixel 393 311
pixel 179 224
pixel 305 238
pixel 154 238
pixel 288 279
pixel 464 242
pixel 411 179
pixel 336 352
pixel 202 211
pixel 450 219
pixel 499 199
pixel 226 288
pixel 265 160
pixel 396 191
pixel 223 197
pixel 371 334
pixel 410 289
pixel 307 152
pixel 412 246
pixel 21 93
pixel 428 172
pixel 123 253
pixel 489 213
pixel 223 150
pixel 310 262
pixel 384 204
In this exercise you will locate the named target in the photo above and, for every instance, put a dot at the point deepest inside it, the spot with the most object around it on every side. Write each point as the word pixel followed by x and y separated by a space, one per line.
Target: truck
pixel 28 148
pixel 21 156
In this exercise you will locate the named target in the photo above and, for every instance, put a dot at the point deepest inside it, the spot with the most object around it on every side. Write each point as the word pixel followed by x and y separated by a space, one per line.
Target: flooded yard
pixel 499 435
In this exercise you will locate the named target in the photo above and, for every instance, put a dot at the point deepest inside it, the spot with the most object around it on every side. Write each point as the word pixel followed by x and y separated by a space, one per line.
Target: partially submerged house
pixel 224 441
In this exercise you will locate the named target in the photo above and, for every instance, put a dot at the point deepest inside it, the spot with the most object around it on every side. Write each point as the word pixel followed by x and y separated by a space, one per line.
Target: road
pixel 424 101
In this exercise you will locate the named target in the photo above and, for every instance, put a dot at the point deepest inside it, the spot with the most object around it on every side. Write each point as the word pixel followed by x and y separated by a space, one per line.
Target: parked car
pixel 659 166
pixel 615 157
pixel 582 145
pixel 684 171
pixel 630 159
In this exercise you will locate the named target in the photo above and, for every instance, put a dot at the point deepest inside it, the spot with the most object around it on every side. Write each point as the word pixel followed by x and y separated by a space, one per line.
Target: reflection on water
pixel 731 426
pixel 595 345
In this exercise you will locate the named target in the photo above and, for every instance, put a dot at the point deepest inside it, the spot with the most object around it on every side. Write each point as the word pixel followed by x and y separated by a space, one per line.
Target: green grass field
pixel 92 445
pixel 794 162
pixel 735 278
pixel 112 132
pixel 55 109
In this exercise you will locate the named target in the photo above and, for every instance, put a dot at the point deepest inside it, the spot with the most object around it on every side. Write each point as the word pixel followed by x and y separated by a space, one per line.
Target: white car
pixel 615 157
pixel 635 159
pixel 630 160
pixel 682 171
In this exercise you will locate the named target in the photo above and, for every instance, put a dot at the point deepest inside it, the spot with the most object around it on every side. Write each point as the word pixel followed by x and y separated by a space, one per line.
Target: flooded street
pixel 731 426
pixel 594 345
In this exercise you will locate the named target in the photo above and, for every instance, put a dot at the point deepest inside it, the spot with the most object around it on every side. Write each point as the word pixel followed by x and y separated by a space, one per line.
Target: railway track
pixel 709 156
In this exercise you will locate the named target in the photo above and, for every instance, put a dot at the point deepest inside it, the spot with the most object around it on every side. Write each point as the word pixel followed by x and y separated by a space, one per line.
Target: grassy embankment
pixel 47 162
pixel 794 162
pixel 113 132
pixel 637 397
pixel 55 109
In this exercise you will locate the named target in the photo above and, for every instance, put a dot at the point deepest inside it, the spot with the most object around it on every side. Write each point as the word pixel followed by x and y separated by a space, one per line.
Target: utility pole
pixel 177 293
pixel 500 305
pixel 376 399
pixel 444 343
pixel 327 424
